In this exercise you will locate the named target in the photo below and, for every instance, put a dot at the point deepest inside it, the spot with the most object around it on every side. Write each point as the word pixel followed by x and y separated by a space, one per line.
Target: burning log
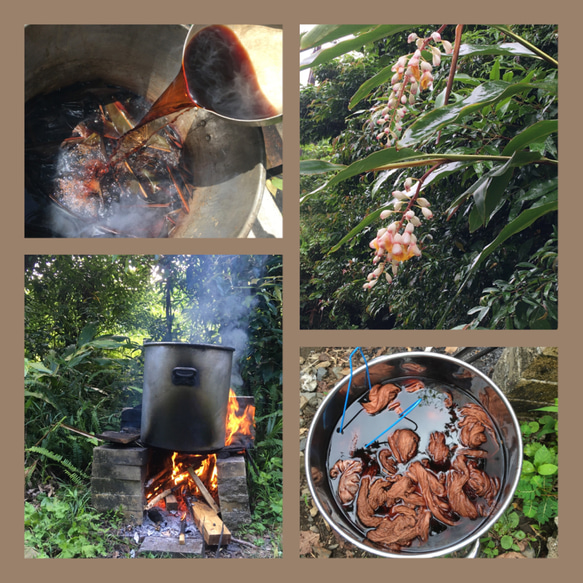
pixel 157 498
pixel 210 525
pixel 202 488
pixel 171 502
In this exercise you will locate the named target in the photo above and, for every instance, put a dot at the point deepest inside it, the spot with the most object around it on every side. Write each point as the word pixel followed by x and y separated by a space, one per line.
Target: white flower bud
pixel 447 47
pixel 409 228
pixel 386 214
pixel 427 213
pixel 412 37
pixel 423 202
pixel 436 36
pixel 388 277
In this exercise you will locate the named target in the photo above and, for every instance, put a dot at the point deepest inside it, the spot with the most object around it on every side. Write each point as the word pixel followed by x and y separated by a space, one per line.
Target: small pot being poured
pixel 235 71
pixel 349 449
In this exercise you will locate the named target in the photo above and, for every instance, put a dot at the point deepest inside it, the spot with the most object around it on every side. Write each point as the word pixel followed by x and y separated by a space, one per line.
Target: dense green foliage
pixel 85 320
pixel 493 187
pixel 537 492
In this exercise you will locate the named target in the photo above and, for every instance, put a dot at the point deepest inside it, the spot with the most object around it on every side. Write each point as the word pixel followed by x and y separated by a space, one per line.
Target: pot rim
pixel 488 523
pixel 189 344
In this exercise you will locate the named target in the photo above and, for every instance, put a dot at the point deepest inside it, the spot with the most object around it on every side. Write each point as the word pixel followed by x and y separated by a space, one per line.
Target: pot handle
pixel 184 375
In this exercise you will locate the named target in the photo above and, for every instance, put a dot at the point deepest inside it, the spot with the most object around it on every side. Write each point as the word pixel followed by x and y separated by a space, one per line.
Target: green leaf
pixel 534 133
pixel 87 334
pixel 506 542
pixel 547 469
pixel 369 85
pixel 317 167
pixel 528 467
pixel 374 216
pixel 547 509
pixel 504 49
pixel 325 33
pixel 353 44
pixel 543 456
pixel 488 93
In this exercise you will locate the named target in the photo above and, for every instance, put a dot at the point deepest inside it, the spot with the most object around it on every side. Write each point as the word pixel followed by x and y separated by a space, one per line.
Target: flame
pixel 235 423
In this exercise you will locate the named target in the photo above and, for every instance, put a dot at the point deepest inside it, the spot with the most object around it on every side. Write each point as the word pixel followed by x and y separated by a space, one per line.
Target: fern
pixel 76 475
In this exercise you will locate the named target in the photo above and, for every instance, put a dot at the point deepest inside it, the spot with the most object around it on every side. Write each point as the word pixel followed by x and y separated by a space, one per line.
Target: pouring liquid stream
pixel 216 74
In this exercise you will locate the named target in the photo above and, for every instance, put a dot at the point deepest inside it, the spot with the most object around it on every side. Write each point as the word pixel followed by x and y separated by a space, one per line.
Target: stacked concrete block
pixel 233 493
pixel 117 480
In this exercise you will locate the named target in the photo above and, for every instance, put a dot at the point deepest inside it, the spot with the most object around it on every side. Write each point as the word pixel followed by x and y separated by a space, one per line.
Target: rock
pixel 528 376
pixel 553 544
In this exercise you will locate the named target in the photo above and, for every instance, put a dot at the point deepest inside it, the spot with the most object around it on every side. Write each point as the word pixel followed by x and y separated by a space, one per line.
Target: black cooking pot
pixel 185 396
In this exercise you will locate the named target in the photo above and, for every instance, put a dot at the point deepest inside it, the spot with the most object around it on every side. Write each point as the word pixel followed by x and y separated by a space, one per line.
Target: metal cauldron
pixel 185 396
pixel 436 368
pixel 226 159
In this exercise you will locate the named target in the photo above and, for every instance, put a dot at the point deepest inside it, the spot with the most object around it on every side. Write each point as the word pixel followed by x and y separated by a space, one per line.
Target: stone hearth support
pixel 233 493
pixel 117 480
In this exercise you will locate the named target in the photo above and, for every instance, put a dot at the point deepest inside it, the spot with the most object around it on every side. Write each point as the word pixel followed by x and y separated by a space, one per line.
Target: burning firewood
pixel 202 488
pixel 157 498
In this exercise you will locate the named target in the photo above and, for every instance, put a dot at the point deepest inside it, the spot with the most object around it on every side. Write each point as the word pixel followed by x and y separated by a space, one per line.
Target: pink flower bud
pixel 410 214
pixel 415 250
pixel 408 184
pixel 412 37
pixel 436 36
pixel 427 213
pixel 397 249
pixel 409 228
pixel 447 47
pixel 425 66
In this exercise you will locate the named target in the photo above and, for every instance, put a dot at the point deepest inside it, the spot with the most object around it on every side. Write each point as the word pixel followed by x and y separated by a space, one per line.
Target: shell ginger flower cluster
pixel 397 242
pixel 412 74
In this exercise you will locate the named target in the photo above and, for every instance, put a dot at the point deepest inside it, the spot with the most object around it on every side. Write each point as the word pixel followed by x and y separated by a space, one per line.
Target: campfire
pixel 186 500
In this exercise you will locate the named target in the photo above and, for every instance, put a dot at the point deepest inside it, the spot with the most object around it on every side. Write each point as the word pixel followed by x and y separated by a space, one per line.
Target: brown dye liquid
pixel 432 414
pixel 216 74
pixel 69 141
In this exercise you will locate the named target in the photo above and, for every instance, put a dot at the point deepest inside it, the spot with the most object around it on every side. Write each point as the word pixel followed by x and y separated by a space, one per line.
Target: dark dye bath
pixel 437 411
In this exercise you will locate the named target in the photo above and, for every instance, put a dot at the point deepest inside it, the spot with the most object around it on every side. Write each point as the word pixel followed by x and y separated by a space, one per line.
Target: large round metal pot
pixel 430 368
pixel 227 160
pixel 185 396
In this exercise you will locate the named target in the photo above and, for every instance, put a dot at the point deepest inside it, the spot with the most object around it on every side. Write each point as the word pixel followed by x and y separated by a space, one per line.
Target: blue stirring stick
pixel 403 414
pixel 350 383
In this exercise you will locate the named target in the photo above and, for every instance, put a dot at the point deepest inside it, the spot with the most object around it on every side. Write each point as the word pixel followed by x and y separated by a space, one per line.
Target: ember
pixel 441 474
